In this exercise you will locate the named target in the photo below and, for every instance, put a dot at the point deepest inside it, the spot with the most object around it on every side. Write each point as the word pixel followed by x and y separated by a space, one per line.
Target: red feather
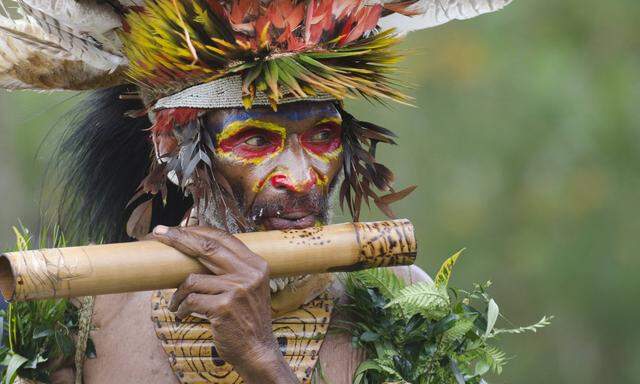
pixel 168 119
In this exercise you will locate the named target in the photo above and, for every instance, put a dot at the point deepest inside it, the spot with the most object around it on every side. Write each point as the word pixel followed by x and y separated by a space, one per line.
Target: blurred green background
pixel 526 148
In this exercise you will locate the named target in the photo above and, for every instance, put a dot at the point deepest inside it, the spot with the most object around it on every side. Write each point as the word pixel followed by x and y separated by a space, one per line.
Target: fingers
pixel 206 305
pixel 242 252
pixel 223 237
pixel 201 284
pixel 213 254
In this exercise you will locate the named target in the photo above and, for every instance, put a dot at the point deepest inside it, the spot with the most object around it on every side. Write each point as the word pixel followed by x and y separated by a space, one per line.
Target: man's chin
pixel 280 223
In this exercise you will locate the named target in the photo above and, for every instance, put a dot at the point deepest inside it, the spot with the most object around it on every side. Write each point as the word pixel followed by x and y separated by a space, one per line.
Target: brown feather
pixel 139 224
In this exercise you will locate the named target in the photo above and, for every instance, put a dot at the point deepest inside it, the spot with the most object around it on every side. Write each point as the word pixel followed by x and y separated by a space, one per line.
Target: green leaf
pixel 445 324
pixel 251 76
pixel 15 362
pixel 271 76
pixel 443 275
pixel 459 329
pixel 424 298
pixel 384 279
pixel 65 344
pixel 37 331
pixel 369 336
pixel 496 359
pixel 492 315
pixel 42 332
pixel 481 368
pixel 33 363
pixel 367 365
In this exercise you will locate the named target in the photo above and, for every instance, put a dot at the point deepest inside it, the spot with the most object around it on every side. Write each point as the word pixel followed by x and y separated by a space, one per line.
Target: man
pixel 242 100
pixel 282 167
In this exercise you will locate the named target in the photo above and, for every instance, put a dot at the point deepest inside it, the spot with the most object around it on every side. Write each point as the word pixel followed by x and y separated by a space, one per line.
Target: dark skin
pixel 281 164
pixel 235 297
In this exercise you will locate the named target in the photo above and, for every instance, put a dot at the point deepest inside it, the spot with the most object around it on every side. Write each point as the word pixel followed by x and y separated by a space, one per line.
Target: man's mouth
pixel 290 220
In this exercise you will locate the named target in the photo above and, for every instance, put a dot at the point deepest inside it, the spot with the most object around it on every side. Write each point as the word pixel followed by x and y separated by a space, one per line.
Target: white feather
pixel 28 60
pixel 83 46
pixel 437 12
pixel 80 16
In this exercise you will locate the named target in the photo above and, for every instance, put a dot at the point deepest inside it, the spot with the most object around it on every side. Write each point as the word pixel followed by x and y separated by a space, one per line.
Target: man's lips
pixel 294 220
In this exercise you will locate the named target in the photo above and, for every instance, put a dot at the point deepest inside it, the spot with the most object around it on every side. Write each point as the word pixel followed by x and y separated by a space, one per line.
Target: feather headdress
pixel 339 47
pixel 188 56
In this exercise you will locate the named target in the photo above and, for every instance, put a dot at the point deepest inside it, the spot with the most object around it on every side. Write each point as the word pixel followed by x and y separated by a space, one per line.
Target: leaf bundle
pixel 423 333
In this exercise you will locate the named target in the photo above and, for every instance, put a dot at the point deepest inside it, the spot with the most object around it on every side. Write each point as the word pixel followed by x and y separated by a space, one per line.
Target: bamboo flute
pixel 148 265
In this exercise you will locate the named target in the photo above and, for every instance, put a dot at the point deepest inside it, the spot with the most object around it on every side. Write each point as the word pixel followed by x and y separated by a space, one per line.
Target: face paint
pixel 251 141
pixel 282 179
pixel 324 139
pixel 280 165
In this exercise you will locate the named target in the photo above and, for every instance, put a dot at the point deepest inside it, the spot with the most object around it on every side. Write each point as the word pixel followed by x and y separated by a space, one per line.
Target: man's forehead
pixel 298 113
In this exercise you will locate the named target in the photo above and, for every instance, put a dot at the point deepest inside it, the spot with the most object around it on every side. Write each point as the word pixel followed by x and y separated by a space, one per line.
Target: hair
pixel 103 157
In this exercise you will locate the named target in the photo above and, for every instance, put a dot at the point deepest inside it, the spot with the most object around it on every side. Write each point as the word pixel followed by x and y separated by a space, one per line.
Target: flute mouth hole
pixel 7 281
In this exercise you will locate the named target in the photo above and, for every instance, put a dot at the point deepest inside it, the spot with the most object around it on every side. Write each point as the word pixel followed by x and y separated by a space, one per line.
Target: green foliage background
pixel 526 149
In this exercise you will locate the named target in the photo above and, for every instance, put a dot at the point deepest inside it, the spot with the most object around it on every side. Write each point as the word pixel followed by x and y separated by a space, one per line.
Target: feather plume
pixel 431 13
pixel 60 44
pixel 80 45
pixel 316 46
pixel 91 18
pixel 28 60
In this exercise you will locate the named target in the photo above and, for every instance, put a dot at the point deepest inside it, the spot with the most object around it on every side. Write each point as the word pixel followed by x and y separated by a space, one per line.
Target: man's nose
pixel 300 185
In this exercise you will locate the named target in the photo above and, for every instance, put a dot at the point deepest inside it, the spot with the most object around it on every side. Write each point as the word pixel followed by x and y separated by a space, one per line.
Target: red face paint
pixel 304 186
pixel 323 139
pixel 251 143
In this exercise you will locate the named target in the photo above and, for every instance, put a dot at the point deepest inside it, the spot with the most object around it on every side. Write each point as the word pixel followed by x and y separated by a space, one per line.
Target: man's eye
pixel 256 141
pixel 321 136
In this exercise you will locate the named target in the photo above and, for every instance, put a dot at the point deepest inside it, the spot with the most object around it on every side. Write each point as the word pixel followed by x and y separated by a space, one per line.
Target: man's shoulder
pixel 411 274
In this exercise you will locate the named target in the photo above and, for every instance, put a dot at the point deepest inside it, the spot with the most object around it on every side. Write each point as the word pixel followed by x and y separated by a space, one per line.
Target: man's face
pixel 280 165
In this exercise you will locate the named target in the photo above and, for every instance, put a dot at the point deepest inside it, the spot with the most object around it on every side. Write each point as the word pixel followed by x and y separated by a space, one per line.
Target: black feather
pixel 103 157
pixel 361 171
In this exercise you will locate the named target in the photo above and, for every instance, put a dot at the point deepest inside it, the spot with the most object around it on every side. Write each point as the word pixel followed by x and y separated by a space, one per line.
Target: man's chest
pixel 127 348
pixel 132 348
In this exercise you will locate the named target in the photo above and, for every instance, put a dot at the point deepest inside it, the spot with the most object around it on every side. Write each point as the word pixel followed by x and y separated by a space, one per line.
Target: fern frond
pixel 495 358
pixel 387 282
pixel 424 298
pixel 458 331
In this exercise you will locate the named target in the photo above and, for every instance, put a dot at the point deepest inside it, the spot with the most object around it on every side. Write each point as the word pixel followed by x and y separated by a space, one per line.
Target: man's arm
pixel 235 298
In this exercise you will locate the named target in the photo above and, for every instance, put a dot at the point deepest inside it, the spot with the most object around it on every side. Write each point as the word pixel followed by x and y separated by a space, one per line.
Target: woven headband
pixel 227 93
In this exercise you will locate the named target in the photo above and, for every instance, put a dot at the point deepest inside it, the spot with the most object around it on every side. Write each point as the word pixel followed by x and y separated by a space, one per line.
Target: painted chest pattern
pixel 193 357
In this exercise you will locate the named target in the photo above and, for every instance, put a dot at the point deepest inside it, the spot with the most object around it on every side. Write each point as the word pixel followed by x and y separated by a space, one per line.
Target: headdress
pixel 184 57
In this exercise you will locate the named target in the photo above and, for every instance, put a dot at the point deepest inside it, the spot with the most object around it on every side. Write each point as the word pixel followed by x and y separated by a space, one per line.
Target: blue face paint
pixel 292 112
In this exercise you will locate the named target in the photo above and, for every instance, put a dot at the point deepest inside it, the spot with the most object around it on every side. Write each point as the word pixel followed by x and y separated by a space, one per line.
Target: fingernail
pixel 161 230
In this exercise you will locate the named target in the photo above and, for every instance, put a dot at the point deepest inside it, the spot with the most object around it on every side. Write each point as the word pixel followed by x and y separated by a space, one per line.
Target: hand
pixel 235 299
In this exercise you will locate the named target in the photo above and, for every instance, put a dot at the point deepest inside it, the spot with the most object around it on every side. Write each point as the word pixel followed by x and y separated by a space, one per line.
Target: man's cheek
pixel 327 169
